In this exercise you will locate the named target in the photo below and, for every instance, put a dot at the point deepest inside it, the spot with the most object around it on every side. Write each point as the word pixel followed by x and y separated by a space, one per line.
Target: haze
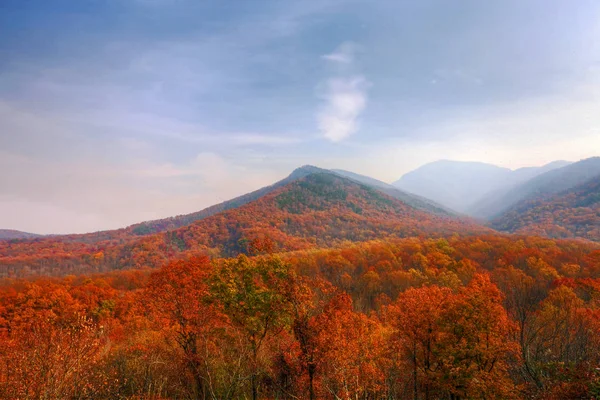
pixel 114 111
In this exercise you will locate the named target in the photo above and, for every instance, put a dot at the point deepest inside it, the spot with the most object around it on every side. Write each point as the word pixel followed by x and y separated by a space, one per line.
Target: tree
pixel 177 297
pixel 457 344
pixel 477 343
pixel 418 314
pixel 249 293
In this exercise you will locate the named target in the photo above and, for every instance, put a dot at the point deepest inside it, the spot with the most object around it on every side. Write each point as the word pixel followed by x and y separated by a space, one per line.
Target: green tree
pixel 250 294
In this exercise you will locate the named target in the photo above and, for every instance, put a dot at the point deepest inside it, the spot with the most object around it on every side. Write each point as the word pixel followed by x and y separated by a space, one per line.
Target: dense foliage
pixel 475 317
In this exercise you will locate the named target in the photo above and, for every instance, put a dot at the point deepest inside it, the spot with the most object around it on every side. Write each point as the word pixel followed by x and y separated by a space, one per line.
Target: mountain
pixel 162 225
pixel 10 234
pixel 571 213
pixel 551 182
pixel 165 224
pixel 314 208
pixel 170 223
pixel 455 184
pixel 460 185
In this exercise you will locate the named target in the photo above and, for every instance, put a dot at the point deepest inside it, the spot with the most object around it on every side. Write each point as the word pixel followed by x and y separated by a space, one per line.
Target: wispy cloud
pixel 345 96
pixel 343 54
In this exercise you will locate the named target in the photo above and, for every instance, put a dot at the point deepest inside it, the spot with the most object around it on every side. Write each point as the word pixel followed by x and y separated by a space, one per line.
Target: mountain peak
pixel 306 170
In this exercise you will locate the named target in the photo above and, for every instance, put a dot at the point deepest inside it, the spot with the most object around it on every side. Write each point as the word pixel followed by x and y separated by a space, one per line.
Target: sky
pixel 114 112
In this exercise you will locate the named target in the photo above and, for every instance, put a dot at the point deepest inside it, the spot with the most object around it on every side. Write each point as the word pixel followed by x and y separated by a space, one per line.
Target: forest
pixel 462 317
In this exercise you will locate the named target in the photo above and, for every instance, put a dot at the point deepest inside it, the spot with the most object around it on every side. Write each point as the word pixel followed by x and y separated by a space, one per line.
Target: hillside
pixel 571 213
pixel 161 225
pixel 460 185
pixel 548 183
pixel 10 234
pixel 318 210
pixel 412 200
pixel 134 231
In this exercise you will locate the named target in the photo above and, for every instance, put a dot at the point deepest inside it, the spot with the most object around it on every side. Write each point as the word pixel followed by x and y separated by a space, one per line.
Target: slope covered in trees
pixel 412 200
pixel 10 234
pixel 321 209
pixel 145 228
pixel 572 213
pixel 464 317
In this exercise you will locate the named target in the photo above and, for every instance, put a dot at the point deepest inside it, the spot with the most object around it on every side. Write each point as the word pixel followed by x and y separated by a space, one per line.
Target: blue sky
pixel 117 111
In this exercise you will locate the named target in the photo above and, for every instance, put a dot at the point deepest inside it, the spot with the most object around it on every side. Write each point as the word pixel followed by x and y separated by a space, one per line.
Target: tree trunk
pixel 311 378
pixel 254 389
pixel 415 385
pixel 254 365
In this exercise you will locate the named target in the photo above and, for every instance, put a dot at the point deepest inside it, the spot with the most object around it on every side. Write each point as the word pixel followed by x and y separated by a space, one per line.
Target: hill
pixel 10 234
pixel 134 231
pixel 461 185
pixel 548 183
pixel 319 209
pixel 574 213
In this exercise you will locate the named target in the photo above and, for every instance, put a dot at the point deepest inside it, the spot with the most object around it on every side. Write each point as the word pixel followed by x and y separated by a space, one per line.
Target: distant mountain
pixel 550 182
pixel 455 184
pixel 460 185
pixel 574 212
pixel 315 208
pixel 9 234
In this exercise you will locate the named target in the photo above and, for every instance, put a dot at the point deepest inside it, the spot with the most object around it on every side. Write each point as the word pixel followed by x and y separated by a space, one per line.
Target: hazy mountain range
pixel 552 181
pixel 560 199
pixel 462 185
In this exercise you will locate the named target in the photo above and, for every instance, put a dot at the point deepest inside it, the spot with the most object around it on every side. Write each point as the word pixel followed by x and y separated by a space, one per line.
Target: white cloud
pixel 343 54
pixel 345 97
